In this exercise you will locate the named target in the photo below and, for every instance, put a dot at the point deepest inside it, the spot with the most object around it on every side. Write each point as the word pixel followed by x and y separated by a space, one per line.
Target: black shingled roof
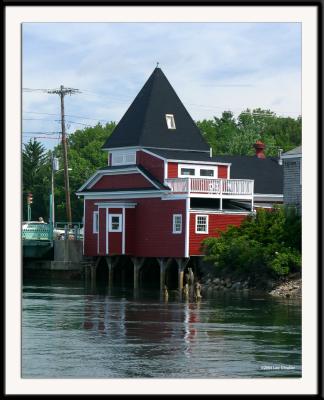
pixel 267 173
pixel 144 122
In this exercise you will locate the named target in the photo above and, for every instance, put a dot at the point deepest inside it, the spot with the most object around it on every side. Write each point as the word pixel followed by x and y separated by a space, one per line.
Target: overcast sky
pixel 212 66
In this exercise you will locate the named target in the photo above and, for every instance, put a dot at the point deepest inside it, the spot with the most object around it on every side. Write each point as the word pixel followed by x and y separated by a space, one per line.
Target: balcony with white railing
pixel 230 188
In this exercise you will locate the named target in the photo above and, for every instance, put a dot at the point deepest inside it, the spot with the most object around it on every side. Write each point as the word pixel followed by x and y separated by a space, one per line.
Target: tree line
pixel 226 135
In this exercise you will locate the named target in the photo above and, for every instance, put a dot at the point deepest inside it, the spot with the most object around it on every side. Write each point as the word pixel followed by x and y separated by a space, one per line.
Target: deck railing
pixel 211 186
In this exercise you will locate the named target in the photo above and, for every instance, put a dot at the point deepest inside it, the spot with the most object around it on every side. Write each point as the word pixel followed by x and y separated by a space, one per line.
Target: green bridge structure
pixel 38 240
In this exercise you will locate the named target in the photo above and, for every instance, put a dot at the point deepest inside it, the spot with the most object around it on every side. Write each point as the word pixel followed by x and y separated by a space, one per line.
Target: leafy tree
pixel 227 135
pixel 85 156
pixel 36 178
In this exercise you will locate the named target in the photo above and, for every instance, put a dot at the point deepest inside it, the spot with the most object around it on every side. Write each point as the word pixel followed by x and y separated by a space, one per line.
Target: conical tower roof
pixel 144 123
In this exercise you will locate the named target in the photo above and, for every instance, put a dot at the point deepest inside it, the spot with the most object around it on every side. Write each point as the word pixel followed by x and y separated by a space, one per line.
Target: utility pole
pixel 62 92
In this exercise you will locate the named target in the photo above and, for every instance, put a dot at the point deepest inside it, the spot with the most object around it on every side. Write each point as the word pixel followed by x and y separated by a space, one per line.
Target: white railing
pixel 212 186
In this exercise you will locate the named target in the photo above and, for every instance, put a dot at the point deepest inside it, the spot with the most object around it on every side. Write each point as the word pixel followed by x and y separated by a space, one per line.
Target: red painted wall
pixel 130 234
pixel 154 237
pixel 152 164
pixel 172 170
pixel 126 181
pixel 148 229
pixel 215 221
pixel 222 171
pixel 90 239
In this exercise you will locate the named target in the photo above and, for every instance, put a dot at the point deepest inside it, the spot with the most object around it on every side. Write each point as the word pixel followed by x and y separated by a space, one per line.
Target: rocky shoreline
pixel 289 287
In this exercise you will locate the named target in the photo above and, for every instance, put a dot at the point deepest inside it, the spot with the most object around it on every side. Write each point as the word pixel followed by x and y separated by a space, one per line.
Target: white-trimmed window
pixel 170 121
pixel 201 223
pixel 187 172
pixel 123 157
pixel 95 222
pixel 197 171
pixel 210 173
pixel 115 222
pixel 177 223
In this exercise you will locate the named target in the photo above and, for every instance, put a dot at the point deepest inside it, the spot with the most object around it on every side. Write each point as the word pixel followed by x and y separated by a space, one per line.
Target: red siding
pixel 126 181
pixel 222 171
pixel 152 164
pixel 148 229
pixel 154 237
pixel 130 233
pixel 215 221
pixel 90 239
pixel 172 170
pixel 102 231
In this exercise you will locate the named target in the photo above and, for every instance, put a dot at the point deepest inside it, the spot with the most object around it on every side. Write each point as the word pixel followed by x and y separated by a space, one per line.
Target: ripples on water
pixel 70 331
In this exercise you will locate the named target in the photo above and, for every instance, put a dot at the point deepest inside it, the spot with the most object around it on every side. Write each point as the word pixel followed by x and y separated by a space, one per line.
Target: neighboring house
pixel 292 167
pixel 162 192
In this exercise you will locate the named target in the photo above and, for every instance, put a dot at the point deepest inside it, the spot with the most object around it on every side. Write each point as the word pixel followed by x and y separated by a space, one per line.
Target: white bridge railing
pixel 212 186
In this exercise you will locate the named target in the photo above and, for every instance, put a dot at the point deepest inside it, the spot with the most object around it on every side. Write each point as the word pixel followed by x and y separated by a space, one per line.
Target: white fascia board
pixel 116 205
pixel 224 196
pixel 214 163
pixel 171 197
pixel 279 196
pixel 120 195
pixel 205 211
pixel 122 148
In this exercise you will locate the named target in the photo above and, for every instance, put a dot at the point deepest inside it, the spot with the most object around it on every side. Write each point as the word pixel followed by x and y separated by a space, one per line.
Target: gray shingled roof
pixel 267 173
pixel 144 123
pixel 296 151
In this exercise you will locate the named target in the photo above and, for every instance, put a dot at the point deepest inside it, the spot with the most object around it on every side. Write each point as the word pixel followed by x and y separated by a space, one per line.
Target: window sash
pixel 188 171
pixel 115 223
pixel 95 222
pixel 201 223
pixel 177 223
pixel 170 121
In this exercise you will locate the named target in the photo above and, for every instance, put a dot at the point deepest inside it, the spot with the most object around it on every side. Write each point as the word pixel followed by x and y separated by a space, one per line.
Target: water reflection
pixel 71 330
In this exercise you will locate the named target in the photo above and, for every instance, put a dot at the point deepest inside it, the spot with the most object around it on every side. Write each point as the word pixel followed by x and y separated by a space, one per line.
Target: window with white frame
pixel 177 223
pixel 95 222
pixel 207 172
pixel 187 171
pixel 115 222
pixel 123 157
pixel 170 121
pixel 201 223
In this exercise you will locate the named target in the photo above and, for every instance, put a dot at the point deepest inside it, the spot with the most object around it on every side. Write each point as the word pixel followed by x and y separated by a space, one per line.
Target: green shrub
pixel 267 243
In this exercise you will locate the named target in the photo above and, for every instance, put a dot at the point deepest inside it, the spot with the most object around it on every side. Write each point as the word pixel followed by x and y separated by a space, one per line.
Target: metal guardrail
pixel 61 231
pixel 37 233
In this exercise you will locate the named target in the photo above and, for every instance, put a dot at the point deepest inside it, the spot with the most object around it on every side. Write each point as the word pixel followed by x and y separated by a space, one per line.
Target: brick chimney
pixel 259 149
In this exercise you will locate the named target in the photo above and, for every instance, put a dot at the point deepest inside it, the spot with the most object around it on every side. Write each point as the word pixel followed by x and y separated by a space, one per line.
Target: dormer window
pixel 170 121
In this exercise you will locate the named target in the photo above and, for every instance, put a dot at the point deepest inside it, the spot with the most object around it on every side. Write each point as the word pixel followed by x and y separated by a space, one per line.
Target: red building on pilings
pixel 163 192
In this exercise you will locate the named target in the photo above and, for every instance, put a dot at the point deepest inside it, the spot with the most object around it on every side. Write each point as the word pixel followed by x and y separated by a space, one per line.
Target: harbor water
pixel 70 330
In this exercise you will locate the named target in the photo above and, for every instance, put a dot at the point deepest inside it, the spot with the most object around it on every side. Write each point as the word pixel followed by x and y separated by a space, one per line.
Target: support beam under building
pixel 163 263
pixel 111 263
pixel 138 262
pixel 182 263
